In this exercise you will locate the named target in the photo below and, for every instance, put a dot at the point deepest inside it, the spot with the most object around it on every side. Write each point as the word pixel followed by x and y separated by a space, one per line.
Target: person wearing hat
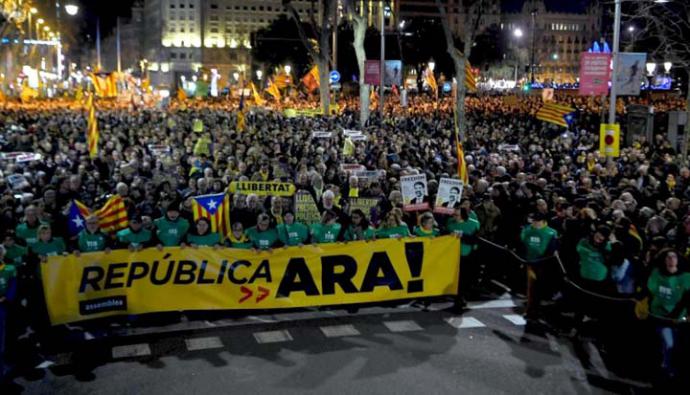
pixel 135 237
pixel 540 241
pixel 262 236
pixel 171 228
pixel 292 233
pixel 91 239
pixel 328 230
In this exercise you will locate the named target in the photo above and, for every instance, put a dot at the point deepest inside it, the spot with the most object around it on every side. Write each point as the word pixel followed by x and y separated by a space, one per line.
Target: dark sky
pixel 578 6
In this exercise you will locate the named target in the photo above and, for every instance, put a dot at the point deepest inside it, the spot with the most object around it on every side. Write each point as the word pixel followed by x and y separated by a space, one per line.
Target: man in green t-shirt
pixel 15 254
pixel 27 231
pixel 328 230
pixel 262 236
pixel 171 228
pixel 135 237
pixel 540 241
pixel 92 239
pixel 292 233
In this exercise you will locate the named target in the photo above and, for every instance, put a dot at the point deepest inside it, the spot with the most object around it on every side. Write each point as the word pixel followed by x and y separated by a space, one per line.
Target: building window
pixel 214 30
pixel 191 5
pixel 183 55
pixel 181 5
pixel 182 30
pixel 214 18
pixel 214 6
pixel 172 5
pixel 173 55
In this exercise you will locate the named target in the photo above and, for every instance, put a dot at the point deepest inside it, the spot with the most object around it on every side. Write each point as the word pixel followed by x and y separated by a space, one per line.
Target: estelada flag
pixel 555 113
pixel 113 215
pixel 215 208
pixel 311 79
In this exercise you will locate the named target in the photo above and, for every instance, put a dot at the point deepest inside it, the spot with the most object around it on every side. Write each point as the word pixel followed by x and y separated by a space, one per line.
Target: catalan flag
pixel 113 215
pixel 76 218
pixel 470 79
pixel 282 81
pixel 28 93
pixel 462 166
pixel 273 90
pixel 260 101
pixel 215 208
pixel 105 85
pixel 92 129
pixel 311 79
pixel 430 80
pixel 241 122
pixel 555 113
pixel 181 95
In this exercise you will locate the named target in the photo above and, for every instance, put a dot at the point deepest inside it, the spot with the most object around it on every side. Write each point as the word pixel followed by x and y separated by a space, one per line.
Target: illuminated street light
pixel 71 9
pixel 432 65
pixel 518 33
pixel 236 76
pixel 259 74
pixel 33 10
pixel 650 68
pixel 40 21
pixel 667 67
pixel 287 69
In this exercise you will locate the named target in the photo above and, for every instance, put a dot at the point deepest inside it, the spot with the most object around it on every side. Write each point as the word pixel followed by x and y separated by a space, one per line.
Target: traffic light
pixel 609 140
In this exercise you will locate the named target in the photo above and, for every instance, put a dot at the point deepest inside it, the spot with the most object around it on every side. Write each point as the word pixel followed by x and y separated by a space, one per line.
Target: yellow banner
pixel 609 140
pixel 261 188
pixel 96 285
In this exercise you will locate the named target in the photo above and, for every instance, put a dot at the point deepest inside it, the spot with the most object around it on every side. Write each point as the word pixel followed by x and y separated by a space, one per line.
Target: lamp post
pixel 616 49
pixel 534 34
pixel 71 10
pixel 517 33
pixel 32 11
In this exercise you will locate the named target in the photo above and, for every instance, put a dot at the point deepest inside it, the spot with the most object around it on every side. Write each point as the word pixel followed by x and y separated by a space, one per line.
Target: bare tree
pixel 473 10
pixel 318 51
pixel 359 26
pixel 668 26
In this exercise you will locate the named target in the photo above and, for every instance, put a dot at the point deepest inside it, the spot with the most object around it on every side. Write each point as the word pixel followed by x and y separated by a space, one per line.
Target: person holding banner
pixel 393 226
pixel 426 226
pixel 171 228
pixel 466 228
pixel 237 238
pixel 262 236
pixel 292 233
pixel 47 245
pixel 135 237
pixel 201 234
pixel 328 230
pixel 359 228
pixel 27 231
pixel 92 239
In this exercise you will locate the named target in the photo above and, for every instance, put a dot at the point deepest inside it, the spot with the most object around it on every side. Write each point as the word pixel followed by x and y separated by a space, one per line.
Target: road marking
pixel 131 350
pixel 464 322
pixel 339 331
pixel 492 304
pixel 402 326
pixel 203 343
pixel 516 319
pixel 272 337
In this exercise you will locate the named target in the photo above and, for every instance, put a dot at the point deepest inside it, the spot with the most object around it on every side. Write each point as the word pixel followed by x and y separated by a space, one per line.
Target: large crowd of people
pixel 621 227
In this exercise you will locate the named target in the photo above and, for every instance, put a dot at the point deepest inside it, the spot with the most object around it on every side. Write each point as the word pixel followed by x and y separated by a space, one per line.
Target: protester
pixel 328 230
pixel 201 234
pixel 135 237
pixel 359 228
pixel 292 233
pixel 540 242
pixel 262 236
pixel 171 229
pixel 92 239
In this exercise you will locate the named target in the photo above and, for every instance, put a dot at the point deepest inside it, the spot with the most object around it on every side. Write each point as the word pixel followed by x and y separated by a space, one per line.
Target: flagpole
pixel 117 42
pixel 616 48
pixel 98 43
pixel 383 56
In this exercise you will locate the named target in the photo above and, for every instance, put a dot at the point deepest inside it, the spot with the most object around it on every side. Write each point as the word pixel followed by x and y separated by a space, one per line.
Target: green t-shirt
pixel 667 291
pixel 322 234
pixel 15 254
pixel 419 232
pixel 209 239
pixel 7 273
pixel 134 239
pixel 592 265
pixel 262 240
pixel 468 228
pixel 352 235
pixel 537 241
pixel 28 233
pixel 171 233
pixel 391 233
pixel 54 247
pixel 91 242
pixel 292 235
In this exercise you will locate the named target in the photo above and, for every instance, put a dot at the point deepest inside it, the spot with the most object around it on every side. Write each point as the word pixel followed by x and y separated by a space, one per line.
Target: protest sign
pixel 414 192
pixel 449 196
pixel 306 210
pixel 261 188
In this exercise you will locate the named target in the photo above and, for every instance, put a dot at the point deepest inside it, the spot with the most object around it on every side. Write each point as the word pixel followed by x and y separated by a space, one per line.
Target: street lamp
pixel 71 9
pixel 651 66
pixel 518 33
pixel 631 28
pixel 259 74
pixel 432 65
pixel 236 76
pixel 287 69
pixel 33 10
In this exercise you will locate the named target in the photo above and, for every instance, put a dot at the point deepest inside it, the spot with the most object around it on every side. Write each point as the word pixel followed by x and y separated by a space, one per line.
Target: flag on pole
pixel 555 113
pixel 27 93
pixel 311 79
pixel 470 79
pixel 258 100
pixel 181 95
pixel 92 129
pixel 76 218
pixel 462 166
pixel 113 215
pixel 215 208
pixel 273 90
pixel 105 85
pixel 241 125
pixel 282 81
pixel 430 80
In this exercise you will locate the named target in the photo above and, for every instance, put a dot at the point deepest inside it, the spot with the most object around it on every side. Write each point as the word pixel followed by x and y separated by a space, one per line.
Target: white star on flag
pixel 212 204
pixel 79 222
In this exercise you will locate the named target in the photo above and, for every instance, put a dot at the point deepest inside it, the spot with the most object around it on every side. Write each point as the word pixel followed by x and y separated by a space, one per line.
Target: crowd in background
pixel 621 226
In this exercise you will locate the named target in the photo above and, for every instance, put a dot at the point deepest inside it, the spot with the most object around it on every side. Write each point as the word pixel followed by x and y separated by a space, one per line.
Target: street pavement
pixel 407 349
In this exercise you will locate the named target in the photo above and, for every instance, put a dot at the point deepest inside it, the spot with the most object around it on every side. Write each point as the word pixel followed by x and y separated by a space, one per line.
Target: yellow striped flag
pixel 27 93
pixel 215 208
pixel 470 79
pixel 311 79
pixel 92 129
pixel 431 80
pixel 113 215
pixel 181 95
pixel 273 90
pixel 282 81
pixel 260 101
pixel 554 113
pixel 462 166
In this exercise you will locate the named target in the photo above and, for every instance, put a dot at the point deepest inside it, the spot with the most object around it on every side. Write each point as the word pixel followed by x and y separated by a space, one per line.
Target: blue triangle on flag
pixel 75 220
pixel 211 203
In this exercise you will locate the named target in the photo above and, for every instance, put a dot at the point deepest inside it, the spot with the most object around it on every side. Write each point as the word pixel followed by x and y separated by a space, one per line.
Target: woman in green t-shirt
pixel 359 228
pixel 237 238
pixel 393 226
pixel 201 235
pixel 47 245
pixel 328 231
pixel 670 293
pixel 292 233
pixel 426 226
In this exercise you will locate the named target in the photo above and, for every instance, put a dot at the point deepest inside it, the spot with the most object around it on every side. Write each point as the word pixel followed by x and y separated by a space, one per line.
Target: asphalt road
pixel 487 350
